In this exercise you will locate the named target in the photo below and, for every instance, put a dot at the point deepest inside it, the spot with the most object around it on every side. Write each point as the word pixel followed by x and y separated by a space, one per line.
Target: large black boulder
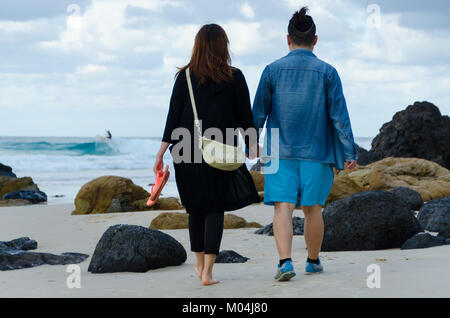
pixel 419 131
pixel 423 240
pixel 435 216
pixel 14 255
pixel 34 196
pixel 132 248
pixel 370 220
pixel 6 171
pixel 364 156
pixel 230 257
pixel 412 198
pixel 297 224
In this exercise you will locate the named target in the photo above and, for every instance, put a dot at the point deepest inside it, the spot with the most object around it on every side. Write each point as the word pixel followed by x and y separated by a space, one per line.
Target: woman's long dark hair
pixel 210 56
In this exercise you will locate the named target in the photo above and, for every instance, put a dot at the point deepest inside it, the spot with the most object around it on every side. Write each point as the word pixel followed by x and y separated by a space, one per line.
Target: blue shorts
pixel 300 182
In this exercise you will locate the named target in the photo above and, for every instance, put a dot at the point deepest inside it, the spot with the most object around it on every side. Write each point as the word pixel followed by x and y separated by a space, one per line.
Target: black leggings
pixel 205 232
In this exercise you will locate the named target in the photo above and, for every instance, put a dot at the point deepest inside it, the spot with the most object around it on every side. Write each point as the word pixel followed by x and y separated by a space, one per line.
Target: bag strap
pixel 191 94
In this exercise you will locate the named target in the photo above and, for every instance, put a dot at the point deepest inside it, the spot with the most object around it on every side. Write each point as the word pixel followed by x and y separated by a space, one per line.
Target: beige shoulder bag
pixel 216 154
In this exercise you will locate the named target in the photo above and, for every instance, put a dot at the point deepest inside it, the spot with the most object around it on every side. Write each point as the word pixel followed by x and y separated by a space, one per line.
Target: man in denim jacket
pixel 302 97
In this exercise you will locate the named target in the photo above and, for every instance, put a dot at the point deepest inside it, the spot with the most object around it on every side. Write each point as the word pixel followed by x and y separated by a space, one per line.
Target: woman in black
pixel 222 101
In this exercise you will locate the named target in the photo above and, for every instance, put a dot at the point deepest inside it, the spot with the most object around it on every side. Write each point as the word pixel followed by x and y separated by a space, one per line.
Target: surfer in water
pixel 105 138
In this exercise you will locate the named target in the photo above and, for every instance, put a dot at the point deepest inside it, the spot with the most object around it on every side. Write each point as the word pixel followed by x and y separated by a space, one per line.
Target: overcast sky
pixel 76 68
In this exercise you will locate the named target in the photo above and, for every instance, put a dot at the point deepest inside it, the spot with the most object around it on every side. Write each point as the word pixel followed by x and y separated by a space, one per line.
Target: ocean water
pixel 61 165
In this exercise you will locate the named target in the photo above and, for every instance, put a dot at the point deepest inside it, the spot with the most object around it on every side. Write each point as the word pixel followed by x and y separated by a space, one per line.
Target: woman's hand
pixel 159 164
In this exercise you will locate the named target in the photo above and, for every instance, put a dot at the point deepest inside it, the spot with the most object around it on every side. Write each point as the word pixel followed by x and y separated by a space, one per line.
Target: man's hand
pixel 350 165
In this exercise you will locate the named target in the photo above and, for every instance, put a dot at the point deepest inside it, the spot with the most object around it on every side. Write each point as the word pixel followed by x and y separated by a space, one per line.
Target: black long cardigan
pixel 204 189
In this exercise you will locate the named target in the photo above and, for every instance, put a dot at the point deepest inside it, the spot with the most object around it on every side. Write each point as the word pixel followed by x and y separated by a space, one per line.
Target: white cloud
pixel 107 60
pixel 247 11
pixel 91 68
pixel 244 37
pixel 16 26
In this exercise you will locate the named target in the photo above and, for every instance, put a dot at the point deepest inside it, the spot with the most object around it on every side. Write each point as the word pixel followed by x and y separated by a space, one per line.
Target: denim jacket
pixel 302 96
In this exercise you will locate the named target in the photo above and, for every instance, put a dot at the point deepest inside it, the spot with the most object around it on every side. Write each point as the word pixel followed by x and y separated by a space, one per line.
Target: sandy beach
pixel 404 273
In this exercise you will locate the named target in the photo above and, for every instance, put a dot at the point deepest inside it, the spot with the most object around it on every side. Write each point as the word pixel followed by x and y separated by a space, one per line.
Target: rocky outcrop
pixel 22 243
pixel 230 257
pixel 170 221
pixel 232 221
pixel 412 198
pixel 14 255
pixel 174 221
pixel 109 194
pixel 365 157
pixel 163 204
pixel 419 131
pixel 8 185
pixel 426 177
pixel 32 196
pixel 370 220
pixel 435 216
pixel 297 224
pixel 423 240
pixel 132 248
pixel 6 171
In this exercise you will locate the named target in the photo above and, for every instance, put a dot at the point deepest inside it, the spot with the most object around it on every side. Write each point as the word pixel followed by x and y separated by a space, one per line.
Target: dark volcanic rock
pixel 369 220
pixel 419 131
pixel 22 243
pixel 297 224
pixel 412 198
pixel 230 257
pixel 32 196
pixel 435 216
pixel 14 255
pixel 423 240
pixel 365 157
pixel 6 171
pixel 132 248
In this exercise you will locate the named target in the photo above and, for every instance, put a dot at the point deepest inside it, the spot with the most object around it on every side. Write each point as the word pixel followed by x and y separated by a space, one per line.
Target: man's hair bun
pixel 303 11
pixel 302 28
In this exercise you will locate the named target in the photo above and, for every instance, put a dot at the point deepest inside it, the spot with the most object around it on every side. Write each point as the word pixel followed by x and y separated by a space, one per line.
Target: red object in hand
pixel 161 180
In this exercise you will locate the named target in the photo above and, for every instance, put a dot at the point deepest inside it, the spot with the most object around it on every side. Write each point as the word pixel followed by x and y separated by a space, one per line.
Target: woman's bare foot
pixel 207 279
pixel 198 271
pixel 200 265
